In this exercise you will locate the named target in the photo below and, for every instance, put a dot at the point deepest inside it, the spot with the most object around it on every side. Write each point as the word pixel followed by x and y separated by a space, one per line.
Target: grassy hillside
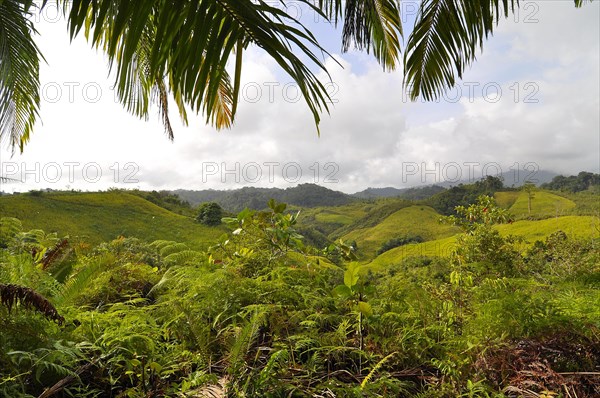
pixel 103 216
pixel 543 204
pixel 573 226
pixel 413 220
pixel 329 219
pixel 506 199
pixel 588 202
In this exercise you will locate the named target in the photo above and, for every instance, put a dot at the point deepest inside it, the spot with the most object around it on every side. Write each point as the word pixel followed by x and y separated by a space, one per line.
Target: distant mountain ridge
pixel 304 195
pixel 312 195
pixel 414 193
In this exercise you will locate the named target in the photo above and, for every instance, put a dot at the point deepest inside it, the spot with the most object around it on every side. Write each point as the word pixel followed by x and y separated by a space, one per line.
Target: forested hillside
pixel 305 195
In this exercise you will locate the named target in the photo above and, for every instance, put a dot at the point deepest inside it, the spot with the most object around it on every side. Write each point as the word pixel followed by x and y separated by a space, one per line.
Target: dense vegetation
pixel 261 313
pixel 581 182
pixel 464 194
pixel 210 213
pixel 416 193
pixel 304 195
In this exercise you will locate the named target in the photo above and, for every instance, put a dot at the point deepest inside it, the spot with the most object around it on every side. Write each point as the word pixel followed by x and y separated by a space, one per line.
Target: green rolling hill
pixel 102 216
pixel 417 220
pixel 573 226
pixel 543 204
pixel 329 219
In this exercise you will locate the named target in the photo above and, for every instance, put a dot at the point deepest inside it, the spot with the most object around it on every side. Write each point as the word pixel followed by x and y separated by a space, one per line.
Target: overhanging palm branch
pixel 137 88
pixel 19 73
pixel 446 39
pixel 194 40
pixel 369 24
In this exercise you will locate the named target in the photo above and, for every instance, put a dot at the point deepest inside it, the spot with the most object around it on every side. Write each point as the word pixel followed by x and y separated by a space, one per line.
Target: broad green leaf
pixel 365 308
pixel 342 291
pixel 351 275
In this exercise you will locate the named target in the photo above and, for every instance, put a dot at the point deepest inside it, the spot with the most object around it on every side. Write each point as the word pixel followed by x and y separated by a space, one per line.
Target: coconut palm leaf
pixel 19 73
pixel 193 42
pixel 179 50
pixel 369 24
pixel 446 39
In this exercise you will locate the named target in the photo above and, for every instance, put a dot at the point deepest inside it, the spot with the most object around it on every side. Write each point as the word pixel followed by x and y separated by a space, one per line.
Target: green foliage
pixel 581 182
pixel 400 241
pixel 209 214
pixel 465 195
pixel 263 314
pixel 483 213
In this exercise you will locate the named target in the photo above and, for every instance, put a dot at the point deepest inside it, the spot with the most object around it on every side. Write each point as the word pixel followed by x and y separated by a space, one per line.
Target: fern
pixel 183 257
pixel 375 369
pixel 173 248
pixel 244 338
pixel 78 282
pixel 28 298
pixel 9 228
pixel 159 244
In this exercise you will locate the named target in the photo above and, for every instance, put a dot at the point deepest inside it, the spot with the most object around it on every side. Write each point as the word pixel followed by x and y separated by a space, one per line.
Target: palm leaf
pixel 445 41
pixel 19 73
pixel 368 24
pixel 194 42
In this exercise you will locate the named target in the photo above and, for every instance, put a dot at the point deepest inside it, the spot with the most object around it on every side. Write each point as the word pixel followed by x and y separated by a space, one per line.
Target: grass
pixel 543 204
pixel 573 226
pixel 329 219
pixel 576 226
pixel 506 199
pixel 103 216
pixel 588 202
pixel 414 220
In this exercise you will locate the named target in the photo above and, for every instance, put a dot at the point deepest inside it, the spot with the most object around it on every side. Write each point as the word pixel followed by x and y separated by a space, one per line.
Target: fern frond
pixel 78 282
pixel 375 369
pixel 28 298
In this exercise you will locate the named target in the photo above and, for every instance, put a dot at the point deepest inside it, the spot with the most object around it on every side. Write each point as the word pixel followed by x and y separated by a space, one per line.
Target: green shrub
pixel 399 241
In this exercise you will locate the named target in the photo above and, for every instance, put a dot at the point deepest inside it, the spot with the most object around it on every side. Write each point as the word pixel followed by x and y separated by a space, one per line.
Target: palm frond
pixel 19 73
pixel 445 41
pixel 368 24
pixel 194 42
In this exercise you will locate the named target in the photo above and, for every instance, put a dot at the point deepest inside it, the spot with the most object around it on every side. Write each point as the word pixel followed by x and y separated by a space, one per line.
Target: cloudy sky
pixel 530 101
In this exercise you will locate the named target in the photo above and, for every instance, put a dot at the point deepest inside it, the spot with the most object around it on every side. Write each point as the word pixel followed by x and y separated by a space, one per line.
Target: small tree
pixel 210 213
pixel 529 187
